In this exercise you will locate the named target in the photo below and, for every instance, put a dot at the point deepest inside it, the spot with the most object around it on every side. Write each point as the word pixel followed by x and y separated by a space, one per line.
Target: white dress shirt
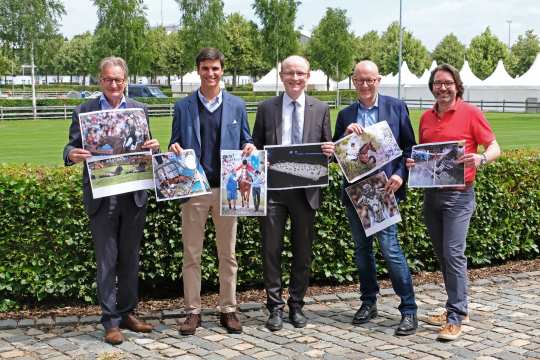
pixel 286 120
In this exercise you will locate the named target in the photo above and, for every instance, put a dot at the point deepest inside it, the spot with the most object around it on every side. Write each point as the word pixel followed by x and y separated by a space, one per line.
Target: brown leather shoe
pixel 192 322
pixel 113 336
pixel 231 322
pixel 130 322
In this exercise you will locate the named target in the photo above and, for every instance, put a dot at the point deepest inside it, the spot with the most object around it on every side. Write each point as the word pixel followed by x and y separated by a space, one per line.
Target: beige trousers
pixel 194 217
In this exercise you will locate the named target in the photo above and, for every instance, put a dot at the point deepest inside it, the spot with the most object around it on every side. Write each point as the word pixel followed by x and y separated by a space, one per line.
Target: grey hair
pixel 113 61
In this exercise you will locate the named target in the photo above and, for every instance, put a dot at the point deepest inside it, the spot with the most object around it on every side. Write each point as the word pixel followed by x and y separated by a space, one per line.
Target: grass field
pixel 42 141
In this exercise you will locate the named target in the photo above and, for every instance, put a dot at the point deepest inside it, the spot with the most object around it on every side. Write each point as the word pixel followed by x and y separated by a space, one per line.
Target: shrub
pixel 47 249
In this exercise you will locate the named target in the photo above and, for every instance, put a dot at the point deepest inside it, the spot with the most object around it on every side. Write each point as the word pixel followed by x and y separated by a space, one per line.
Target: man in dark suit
pixel 207 121
pixel 116 222
pixel 371 108
pixel 290 118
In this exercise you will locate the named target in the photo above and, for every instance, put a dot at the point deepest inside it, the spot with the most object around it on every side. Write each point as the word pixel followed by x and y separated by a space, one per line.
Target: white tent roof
pixel 389 79
pixel 424 79
pixel 532 76
pixel 499 77
pixel 468 77
pixel 407 77
pixel 317 79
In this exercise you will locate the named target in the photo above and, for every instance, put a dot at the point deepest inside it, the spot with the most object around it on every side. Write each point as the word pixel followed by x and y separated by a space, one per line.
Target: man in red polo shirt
pixel 448 211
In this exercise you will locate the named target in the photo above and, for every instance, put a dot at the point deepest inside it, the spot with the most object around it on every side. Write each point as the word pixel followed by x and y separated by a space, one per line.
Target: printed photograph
pixel 436 165
pixel 243 183
pixel 296 166
pixel 113 132
pixel 376 208
pixel 178 176
pixel 359 156
pixel 120 174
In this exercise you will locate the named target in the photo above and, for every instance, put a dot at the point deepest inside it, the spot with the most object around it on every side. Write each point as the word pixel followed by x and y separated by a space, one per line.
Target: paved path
pixel 505 324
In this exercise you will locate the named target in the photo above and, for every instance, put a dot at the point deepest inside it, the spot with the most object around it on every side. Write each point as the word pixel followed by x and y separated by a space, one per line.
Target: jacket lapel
pixel 278 118
pixel 225 114
pixel 383 110
pixel 194 112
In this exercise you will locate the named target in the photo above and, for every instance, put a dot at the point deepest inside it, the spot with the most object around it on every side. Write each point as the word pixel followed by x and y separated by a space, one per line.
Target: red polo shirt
pixel 461 122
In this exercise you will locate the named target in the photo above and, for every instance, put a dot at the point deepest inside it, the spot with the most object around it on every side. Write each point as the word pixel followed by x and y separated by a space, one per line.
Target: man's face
pixel 112 83
pixel 210 72
pixel 366 81
pixel 444 88
pixel 294 75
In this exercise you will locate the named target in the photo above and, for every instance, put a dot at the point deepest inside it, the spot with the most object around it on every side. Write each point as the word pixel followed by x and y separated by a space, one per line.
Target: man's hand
pixel 470 160
pixel 248 149
pixel 354 128
pixel 393 184
pixel 77 155
pixel 152 144
pixel 176 148
pixel 328 148
pixel 409 163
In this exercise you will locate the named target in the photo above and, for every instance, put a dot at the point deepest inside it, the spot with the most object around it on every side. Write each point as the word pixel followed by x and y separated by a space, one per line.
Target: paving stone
pixel 89 320
pixel 251 306
pixel 8 324
pixel 348 296
pixel 26 322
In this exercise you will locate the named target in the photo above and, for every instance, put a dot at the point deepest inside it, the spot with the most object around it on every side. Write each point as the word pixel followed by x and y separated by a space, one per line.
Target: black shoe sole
pixel 405 333
pixel 231 331
pixel 363 321
pixel 297 325
pixel 273 328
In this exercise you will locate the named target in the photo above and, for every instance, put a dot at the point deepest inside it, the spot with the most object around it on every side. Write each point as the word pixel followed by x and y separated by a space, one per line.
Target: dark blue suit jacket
pixel 186 126
pixel 396 113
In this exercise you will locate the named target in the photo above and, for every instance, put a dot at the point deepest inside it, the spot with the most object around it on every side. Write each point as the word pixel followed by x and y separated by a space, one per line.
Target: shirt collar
pixel 451 109
pixel 106 105
pixel 374 106
pixel 214 101
pixel 288 100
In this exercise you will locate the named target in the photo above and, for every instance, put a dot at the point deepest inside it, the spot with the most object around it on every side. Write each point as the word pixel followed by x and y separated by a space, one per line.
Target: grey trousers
pixel 117 231
pixel 447 215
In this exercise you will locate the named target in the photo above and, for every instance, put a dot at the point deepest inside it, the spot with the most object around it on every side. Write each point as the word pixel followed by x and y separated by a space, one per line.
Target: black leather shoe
pixel 275 320
pixel 297 317
pixel 408 325
pixel 365 313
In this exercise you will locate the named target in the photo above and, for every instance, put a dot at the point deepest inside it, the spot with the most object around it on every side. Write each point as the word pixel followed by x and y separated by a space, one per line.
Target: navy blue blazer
pixel 396 113
pixel 186 126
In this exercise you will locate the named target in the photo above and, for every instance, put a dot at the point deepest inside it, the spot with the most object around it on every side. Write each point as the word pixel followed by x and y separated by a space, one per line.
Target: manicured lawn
pixel 42 141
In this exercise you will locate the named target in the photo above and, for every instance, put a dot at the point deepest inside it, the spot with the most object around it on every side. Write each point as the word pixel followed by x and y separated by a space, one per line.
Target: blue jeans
pixel 394 258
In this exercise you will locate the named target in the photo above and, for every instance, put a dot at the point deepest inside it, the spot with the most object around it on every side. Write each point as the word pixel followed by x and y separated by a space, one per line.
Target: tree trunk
pixel 234 79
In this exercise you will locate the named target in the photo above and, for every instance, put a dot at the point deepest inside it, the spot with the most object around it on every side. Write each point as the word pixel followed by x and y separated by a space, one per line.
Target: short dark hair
pixel 455 74
pixel 210 54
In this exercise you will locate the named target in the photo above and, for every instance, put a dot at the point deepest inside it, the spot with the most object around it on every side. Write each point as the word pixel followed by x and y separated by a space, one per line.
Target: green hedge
pixel 47 250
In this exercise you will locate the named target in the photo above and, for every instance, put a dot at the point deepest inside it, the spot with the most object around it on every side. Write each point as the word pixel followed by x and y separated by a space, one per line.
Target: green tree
pixel 367 47
pixel 157 52
pixel 450 51
pixel 331 45
pixel 77 57
pixel 484 51
pixel 523 53
pixel 240 45
pixel 122 31
pixel 46 50
pixel 176 61
pixel 414 53
pixel 202 23
pixel 279 36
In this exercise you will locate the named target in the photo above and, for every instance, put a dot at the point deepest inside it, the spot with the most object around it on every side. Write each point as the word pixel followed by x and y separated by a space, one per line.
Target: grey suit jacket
pixel 92 205
pixel 267 130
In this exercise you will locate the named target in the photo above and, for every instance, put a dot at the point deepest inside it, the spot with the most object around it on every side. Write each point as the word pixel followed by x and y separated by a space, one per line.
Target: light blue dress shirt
pixel 105 105
pixel 368 116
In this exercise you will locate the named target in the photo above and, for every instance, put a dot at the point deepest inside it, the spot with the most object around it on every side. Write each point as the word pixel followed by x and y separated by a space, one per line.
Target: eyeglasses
pixel 368 82
pixel 109 81
pixel 446 84
pixel 292 73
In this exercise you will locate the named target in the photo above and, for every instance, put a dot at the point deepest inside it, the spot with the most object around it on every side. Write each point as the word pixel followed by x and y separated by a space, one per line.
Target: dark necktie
pixel 296 132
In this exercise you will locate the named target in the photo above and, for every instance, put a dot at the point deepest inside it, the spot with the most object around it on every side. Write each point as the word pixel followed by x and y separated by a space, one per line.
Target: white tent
pixel 532 76
pixel 190 82
pixel 499 77
pixel 467 76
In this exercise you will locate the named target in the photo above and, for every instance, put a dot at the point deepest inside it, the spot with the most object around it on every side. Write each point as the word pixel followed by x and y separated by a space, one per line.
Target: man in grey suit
pixel 291 118
pixel 116 222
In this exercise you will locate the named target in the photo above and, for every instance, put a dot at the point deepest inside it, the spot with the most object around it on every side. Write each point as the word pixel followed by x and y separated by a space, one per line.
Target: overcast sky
pixel 429 21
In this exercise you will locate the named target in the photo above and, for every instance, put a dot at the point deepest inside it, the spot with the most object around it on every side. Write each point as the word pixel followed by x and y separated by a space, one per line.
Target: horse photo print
pixel 437 165
pixel 243 183
pixel 178 176
pixel 296 166
pixel 376 208
pixel 359 156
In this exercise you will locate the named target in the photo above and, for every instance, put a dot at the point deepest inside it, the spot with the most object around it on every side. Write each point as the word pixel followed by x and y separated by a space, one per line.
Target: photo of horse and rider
pixel 243 183
pixel 113 132
pixel 437 165
pixel 178 176
pixel 359 156
pixel 118 174
pixel 376 207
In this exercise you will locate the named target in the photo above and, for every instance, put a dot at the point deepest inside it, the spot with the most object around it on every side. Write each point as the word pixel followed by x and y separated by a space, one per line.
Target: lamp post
pixel 400 59
pixel 509 23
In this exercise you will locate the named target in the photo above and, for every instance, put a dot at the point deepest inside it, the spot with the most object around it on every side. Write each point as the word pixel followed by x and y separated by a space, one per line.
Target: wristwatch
pixel 483 159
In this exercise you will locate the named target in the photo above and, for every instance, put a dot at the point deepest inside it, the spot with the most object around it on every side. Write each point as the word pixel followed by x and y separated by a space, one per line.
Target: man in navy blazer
pixel 371 108
pixel 117 221
pixel 207 121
